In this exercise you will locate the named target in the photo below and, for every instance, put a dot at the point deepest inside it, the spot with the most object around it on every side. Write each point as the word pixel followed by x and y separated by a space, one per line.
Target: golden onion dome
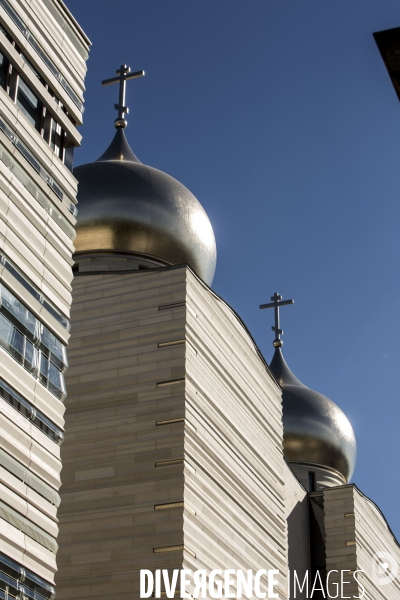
pixel 126 207
pixel 315 430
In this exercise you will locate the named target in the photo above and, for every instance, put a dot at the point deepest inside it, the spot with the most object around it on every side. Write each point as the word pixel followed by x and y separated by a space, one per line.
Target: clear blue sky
pixel 280 117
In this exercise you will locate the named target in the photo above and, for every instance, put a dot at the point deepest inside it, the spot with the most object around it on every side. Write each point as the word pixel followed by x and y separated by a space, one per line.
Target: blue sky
pixel 280 117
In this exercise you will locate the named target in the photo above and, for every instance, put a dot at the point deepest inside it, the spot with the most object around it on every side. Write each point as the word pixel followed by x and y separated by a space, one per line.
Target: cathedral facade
pixel 186 451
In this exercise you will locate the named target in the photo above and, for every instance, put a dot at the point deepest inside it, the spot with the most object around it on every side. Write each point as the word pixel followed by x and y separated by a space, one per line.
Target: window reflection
pixel 31 343
pixel 4 66
pixel 30 105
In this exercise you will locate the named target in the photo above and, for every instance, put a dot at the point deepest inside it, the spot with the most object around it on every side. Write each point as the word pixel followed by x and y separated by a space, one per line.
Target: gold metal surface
pixel 125 206
pixel 315 429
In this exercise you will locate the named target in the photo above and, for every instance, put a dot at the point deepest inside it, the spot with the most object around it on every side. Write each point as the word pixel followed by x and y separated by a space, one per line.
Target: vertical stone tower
pixel 173 456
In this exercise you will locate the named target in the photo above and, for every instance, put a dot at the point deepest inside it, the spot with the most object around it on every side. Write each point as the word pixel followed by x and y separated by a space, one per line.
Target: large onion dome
pixel 318 437
pixel 131 209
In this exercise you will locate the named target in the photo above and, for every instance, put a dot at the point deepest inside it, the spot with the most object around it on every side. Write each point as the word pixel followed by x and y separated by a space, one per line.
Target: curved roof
pixel 125 206
pixel 315 429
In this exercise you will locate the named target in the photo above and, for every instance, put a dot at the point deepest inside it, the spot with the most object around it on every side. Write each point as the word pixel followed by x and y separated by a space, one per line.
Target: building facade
pixel 184 448
pixel 173 457
pixel 43 55
pixel 174 454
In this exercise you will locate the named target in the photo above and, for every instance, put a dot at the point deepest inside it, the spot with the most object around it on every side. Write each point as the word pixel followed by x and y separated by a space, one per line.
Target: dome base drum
pixel 316 477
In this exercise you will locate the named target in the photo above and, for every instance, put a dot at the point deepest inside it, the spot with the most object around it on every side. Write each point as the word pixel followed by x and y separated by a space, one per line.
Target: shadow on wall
pixel 297 516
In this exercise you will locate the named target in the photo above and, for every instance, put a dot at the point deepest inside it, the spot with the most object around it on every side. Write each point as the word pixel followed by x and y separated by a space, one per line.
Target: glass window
pixel 55 376
pixel 52 378
pixel 17 342
pixel 44 368
pixel 4 64
pixel 30 356
pixel 29 104
pixel 6 330
pixel 56 138
pixel 54 345
pixel 14 306
pixel 69 158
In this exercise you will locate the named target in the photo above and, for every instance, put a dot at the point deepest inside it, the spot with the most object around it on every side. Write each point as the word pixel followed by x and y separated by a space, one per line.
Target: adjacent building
pixel 43 55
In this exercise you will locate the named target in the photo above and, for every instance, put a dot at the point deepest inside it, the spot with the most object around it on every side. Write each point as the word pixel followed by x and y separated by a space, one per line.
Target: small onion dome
pixel 127 207
pixel 315 430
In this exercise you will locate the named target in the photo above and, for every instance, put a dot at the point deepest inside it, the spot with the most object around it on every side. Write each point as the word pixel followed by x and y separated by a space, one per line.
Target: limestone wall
pixel 355 532
pixel 173 452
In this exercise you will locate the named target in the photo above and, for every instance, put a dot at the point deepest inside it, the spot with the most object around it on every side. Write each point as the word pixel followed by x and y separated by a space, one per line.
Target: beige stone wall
pixel 341 550
pixel 355 531
pixel 234 479
pixel 109 526
pixel 139 491
pixel 373 535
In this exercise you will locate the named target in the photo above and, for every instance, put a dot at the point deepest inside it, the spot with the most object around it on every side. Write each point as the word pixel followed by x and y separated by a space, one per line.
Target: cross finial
pixel 124 73
pixel 276 303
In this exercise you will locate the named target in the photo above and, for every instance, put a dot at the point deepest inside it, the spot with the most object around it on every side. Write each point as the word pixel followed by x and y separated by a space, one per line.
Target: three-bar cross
pixel 276 303
pixel 124 74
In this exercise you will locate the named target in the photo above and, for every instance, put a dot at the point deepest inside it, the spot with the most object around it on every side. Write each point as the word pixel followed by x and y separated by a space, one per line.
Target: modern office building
pixel 43 55
pixel 184 448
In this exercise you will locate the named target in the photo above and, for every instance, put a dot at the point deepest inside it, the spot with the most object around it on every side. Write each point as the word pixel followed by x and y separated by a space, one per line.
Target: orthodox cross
pixel 124 74
pixel 276 303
